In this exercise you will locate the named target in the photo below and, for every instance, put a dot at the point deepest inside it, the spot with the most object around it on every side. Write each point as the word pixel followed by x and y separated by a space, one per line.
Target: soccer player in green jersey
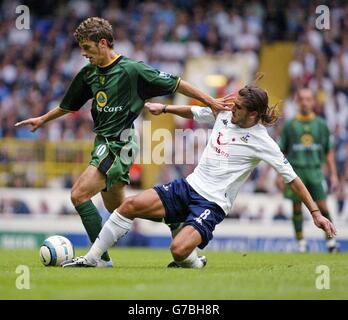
pixel 306 142
pixel 119 88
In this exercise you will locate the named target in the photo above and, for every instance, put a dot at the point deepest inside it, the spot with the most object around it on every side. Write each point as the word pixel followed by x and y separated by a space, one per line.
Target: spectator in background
pixel 280 214
pixel 255 216
pixel 238 212
pixel 20 207
pixel 44 207
pixel 14 206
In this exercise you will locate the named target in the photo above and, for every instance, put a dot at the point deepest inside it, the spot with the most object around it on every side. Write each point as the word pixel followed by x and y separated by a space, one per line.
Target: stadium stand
pixel 37 65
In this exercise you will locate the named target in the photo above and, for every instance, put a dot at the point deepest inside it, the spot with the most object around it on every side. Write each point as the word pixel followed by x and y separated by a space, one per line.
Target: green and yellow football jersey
pixel 306 141
pixel 118 92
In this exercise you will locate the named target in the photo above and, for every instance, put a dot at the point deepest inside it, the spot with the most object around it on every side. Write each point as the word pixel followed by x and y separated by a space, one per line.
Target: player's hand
pixel 321 222
pixel 228 99
pixel 334 182
pixel 280 183
pixel 36 123
pixel 154 108
pixel 223 104
pixel 220 104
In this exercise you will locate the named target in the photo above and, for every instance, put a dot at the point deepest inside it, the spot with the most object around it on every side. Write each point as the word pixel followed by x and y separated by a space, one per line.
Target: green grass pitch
pixel 142 274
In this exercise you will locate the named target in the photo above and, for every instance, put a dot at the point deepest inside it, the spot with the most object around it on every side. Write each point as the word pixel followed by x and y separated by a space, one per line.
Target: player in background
pixel 306 142
pixel 239 141
pixel 119 88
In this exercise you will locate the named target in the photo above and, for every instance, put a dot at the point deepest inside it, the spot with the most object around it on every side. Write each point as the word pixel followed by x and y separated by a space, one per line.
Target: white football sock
pixel 191 261
pixel 114 229
pixel 331 242
pixel 302 245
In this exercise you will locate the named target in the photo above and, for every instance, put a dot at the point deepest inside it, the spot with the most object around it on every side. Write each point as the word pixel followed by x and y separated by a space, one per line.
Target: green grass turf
pixel 142 274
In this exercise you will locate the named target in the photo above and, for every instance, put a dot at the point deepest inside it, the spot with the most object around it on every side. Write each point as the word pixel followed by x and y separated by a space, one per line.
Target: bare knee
pixel 77 197
pixel 129 207
pixel 179 251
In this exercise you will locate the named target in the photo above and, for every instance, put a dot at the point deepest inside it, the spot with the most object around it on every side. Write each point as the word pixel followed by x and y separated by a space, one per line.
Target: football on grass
pixel 55 250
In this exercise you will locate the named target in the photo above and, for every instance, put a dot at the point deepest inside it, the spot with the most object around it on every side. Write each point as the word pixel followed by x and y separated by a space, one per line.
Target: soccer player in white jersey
pixel 239 141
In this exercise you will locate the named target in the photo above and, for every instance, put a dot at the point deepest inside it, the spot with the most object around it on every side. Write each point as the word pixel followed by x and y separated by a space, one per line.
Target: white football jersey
pixel 231 155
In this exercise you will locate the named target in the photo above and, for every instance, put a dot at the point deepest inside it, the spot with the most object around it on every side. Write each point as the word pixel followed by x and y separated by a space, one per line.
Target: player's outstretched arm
pixel 215 104
pixel 184 111
pixel 319 220
pixel 159 108
pixel 38 122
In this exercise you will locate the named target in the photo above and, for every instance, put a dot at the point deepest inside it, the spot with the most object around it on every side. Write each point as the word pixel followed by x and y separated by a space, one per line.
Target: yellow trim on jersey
pixel 177 85
pixel 302 117
pixel 66 110
pixel 111 62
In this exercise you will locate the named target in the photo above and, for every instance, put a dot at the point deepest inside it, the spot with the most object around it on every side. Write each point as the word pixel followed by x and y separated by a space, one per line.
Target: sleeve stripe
pixel 67 110
pixel 177 85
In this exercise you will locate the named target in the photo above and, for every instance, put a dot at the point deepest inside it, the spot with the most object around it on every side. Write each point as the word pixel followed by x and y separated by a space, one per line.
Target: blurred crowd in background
pixel 37 65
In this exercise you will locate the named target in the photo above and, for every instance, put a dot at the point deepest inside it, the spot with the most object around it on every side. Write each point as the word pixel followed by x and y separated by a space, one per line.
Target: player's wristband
pixel 164 109
pixel 315 210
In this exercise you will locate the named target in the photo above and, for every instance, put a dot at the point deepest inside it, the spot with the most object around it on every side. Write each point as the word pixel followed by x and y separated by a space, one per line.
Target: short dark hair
pixel 95 29
pixel 256 99
pixel 306 88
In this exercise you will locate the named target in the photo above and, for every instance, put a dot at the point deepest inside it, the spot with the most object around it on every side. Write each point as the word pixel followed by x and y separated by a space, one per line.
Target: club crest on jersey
pixel 102 99
pixel 225 122
pixel 307 139
pixel 245 138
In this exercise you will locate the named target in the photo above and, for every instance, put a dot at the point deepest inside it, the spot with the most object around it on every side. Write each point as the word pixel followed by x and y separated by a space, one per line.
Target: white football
pixel 55 250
